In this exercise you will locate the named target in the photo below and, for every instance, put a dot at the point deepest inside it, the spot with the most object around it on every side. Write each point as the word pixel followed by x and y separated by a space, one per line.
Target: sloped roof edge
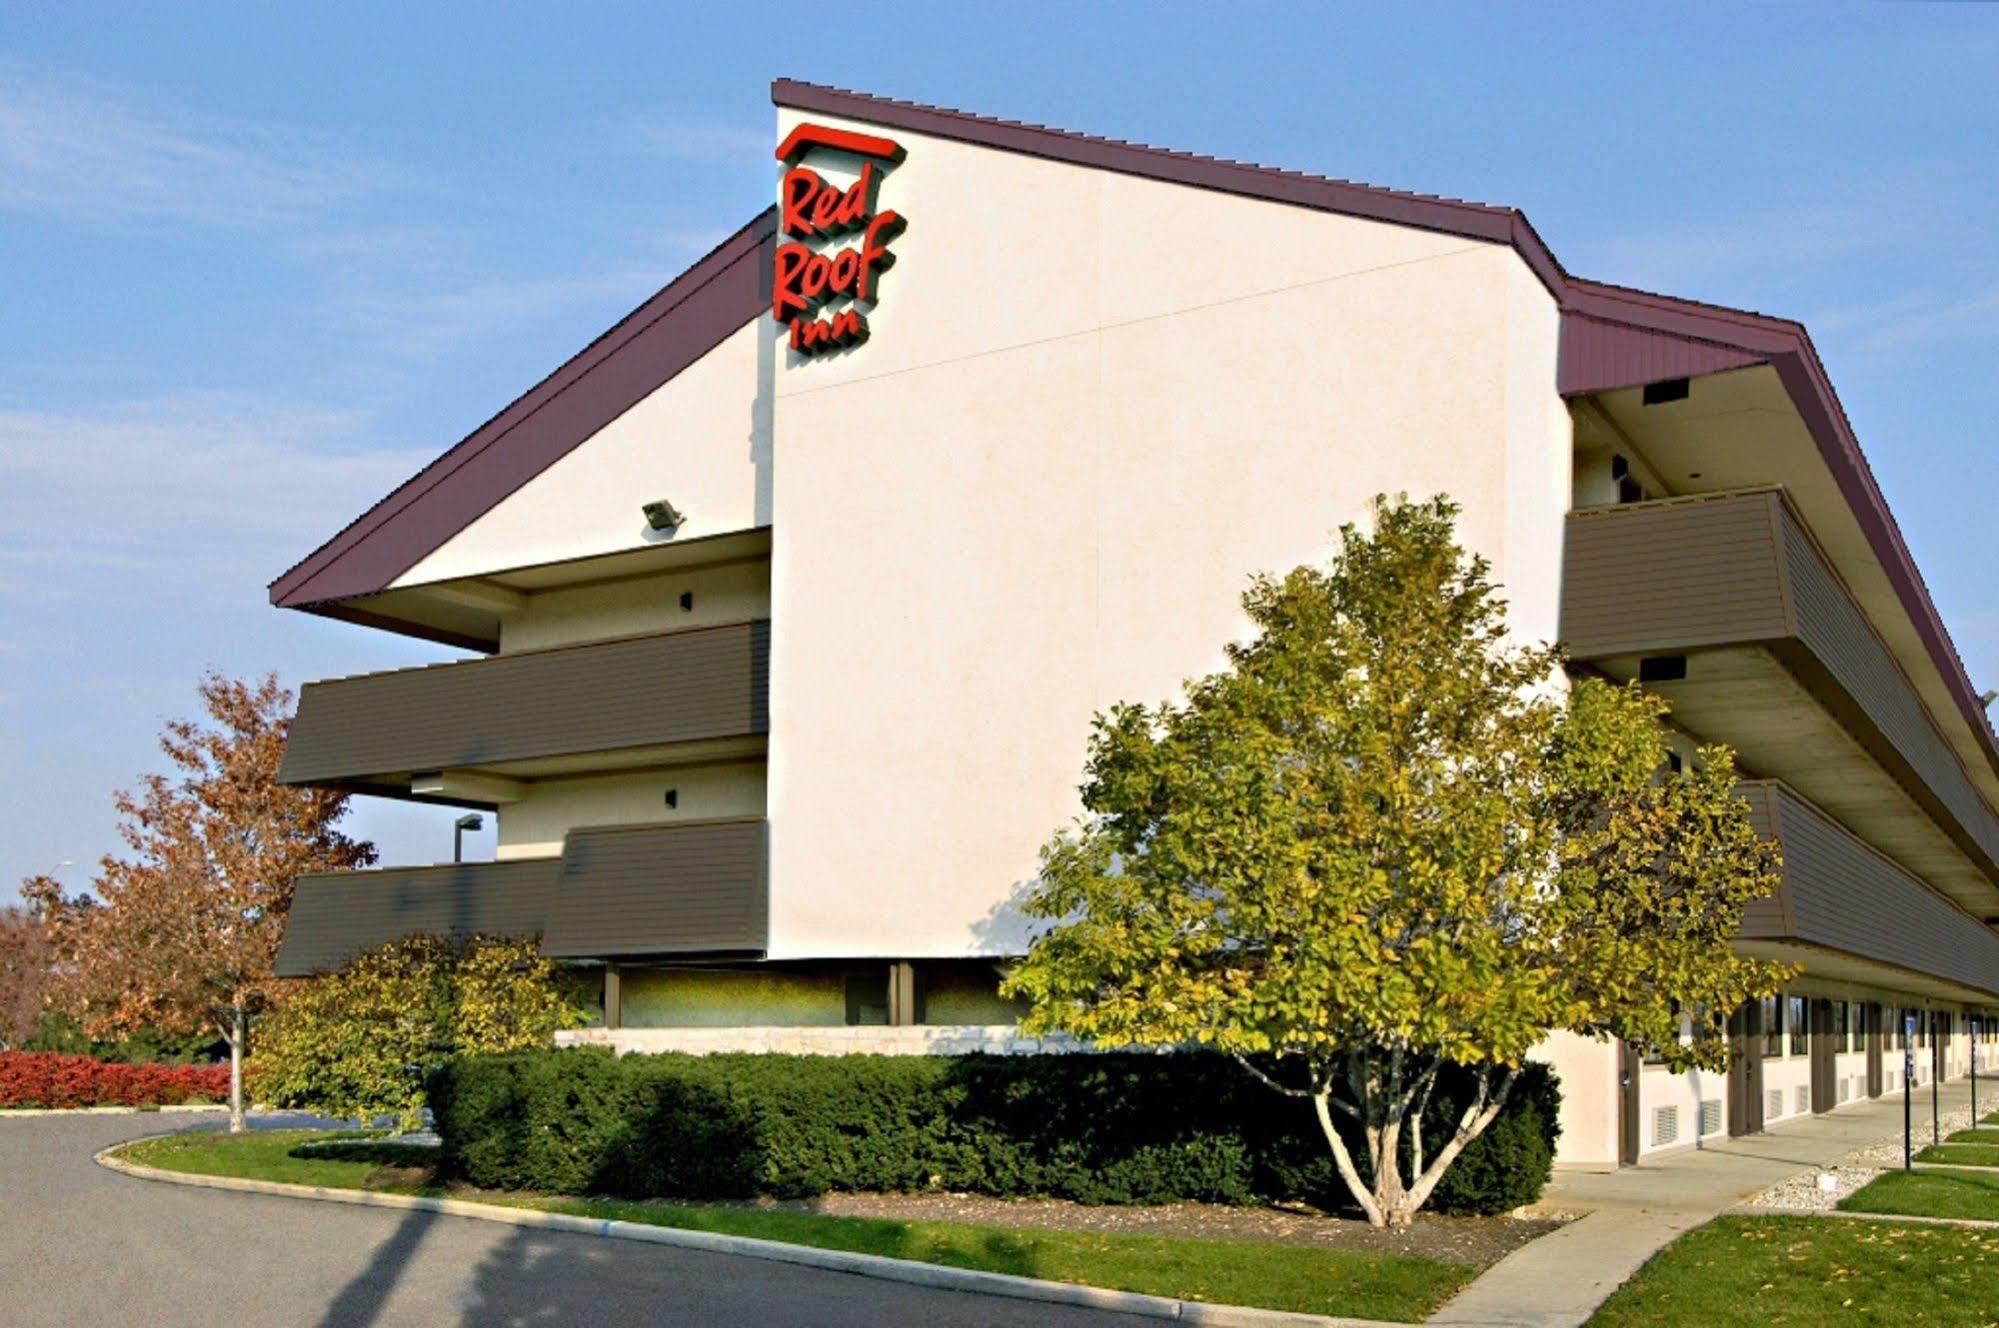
pixel 686 319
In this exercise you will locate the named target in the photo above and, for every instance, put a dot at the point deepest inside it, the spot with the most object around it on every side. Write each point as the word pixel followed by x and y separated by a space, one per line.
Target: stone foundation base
pixel 874 1039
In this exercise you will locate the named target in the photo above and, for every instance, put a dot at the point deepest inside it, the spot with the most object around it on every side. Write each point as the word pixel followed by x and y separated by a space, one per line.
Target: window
pixel 1842 1030
pixel 1773 1027
pixel 1794 1019
pixel 867 997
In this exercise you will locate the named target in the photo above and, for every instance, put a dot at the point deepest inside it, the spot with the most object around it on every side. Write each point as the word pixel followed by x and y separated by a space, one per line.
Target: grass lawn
pixel 1240 1272
pixel 1974 1136
pixel 1748 1272
pixel 1929 1194
pixel 1962 1155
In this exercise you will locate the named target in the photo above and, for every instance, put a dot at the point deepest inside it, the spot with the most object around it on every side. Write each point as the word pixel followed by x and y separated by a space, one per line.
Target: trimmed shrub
pixel 1098 1129
pixel 51 1079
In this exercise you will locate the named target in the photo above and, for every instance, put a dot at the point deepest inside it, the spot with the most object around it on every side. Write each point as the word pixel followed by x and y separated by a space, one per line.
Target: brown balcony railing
pixel 615 892
pixel 632 693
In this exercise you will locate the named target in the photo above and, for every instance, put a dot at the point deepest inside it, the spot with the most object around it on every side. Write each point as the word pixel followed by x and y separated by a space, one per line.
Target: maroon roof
pixel 687 318
pixel 1611 337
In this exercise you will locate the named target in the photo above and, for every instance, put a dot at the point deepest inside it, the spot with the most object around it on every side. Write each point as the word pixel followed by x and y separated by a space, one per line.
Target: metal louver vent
pixel 1773 1103
pixel 1711 1116
pixel 1665 1126
pixel 1803 1097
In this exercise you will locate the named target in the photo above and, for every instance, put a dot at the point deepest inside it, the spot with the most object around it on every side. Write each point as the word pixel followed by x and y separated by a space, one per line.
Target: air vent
pixel 1662 668
pixel 1711 1116
pixel 1667 389
pixel 1803 1098
pixel 1773 1104
pixel 1665 1126
pixel 1845 1089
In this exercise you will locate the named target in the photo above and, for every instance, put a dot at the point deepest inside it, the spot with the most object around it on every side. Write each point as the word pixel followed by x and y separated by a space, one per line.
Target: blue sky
pixel 263 262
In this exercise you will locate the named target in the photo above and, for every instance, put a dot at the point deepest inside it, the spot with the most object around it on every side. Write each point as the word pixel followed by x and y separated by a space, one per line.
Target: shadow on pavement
pixel 360 1302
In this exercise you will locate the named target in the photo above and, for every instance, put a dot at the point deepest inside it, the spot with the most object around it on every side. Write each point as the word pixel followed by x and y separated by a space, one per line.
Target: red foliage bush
pixel 50 1079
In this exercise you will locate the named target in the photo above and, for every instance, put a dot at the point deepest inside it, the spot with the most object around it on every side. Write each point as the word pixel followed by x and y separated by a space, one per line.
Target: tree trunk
pixel 1322 1107
pixel 239 1031
pixel 1394 1199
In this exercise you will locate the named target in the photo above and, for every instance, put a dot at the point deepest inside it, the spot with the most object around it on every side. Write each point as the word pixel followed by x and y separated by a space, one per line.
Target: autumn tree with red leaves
pixel 180 934
pixel 24 975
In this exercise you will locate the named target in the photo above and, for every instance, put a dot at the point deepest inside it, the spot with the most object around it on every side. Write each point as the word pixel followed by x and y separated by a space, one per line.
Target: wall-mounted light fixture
pixel 687 601
pixel 673 797
pixel 663 515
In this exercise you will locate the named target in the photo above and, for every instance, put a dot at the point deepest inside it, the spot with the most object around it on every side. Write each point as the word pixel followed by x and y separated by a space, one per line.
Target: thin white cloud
pixel 175 495
pixel 1704 252
pixel 424 323
pixel 1915 320
pixel 92 154
pixel 704 141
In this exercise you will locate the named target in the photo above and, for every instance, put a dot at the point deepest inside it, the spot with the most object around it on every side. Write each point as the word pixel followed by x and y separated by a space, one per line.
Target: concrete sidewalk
pixel 1559 1280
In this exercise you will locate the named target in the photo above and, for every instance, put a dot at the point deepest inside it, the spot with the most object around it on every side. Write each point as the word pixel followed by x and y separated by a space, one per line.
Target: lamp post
pixel 1908 1088
pixel 1936 1077
pixel 469 821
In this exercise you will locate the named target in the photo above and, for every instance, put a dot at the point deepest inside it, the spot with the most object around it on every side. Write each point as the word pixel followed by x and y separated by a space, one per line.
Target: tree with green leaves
pixel 362 1041
pixel 1386 839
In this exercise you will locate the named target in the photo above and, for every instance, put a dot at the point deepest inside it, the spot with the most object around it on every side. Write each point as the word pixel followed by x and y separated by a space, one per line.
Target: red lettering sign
pixel 811 208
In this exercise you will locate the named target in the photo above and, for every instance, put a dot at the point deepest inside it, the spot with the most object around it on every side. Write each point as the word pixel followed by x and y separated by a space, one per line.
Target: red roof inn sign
pixel 812 274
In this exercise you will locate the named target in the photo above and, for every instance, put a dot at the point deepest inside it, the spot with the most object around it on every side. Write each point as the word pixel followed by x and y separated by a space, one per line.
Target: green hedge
pixel 1098 1129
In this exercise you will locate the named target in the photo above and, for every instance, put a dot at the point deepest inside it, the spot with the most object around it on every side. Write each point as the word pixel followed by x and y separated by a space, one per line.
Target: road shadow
pixel 541 1279
pixel 360 1302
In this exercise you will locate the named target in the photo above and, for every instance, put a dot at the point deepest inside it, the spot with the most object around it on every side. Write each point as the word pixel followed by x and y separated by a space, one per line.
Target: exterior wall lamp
pixel 663 515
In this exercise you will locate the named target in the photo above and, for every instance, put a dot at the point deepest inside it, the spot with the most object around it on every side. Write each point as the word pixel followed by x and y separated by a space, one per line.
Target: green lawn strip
pixel 1962 1155
pixel 1929 1194
pixel 1974 1136
pixel 272 1155
pixel 1749 1272
pixel 1240 1272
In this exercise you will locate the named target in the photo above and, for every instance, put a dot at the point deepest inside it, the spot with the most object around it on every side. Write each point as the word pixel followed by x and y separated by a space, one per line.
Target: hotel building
pixel 791 597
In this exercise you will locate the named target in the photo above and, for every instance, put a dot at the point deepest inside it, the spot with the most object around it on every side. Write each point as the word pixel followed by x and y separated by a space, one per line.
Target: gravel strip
pixel 1802 1194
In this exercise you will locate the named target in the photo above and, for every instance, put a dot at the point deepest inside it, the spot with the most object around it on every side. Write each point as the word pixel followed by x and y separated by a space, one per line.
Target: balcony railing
pixel 505 713
pixel 1840 894
pixel 1730 570
pixel 615 892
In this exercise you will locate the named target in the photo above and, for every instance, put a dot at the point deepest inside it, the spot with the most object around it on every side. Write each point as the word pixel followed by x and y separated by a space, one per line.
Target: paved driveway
pixel 82 1245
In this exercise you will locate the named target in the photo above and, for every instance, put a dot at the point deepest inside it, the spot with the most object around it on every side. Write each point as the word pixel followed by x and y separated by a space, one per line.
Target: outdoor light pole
pixel 469 821
pixel 1908 1090
pixel 1936 1078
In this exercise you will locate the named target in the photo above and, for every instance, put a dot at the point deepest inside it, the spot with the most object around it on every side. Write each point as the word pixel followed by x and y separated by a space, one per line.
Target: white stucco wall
pixel 1790 1075
pixel 1588 1071
pixel 701 441
pixel 1091 407
pixel 534 826
pixel 733 592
